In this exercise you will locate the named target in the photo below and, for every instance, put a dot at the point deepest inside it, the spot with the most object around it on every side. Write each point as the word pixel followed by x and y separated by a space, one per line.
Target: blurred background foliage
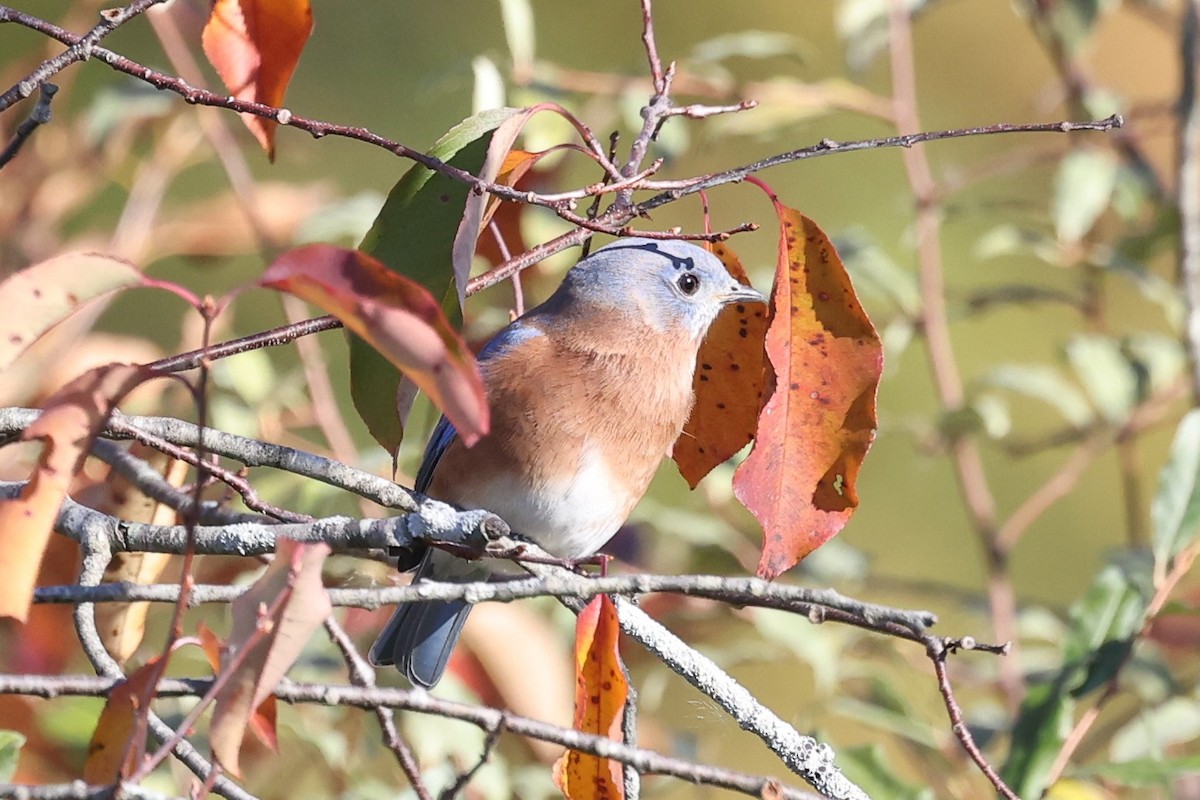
pixel 1059 255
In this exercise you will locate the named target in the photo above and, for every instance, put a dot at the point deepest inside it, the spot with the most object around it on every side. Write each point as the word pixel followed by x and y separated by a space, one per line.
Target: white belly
pixel 568 518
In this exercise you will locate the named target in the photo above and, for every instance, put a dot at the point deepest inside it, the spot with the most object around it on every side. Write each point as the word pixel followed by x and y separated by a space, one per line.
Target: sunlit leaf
pixel 1106 374
pixel 67 428
pixel 868 767
pixel 1176 507
pixel 1142 771
pixel 397 317
pixel 38 297
pixel 255 45
pixel 414 236
pixel 1083 189
pixel 115 751
pixel 497 162
pixel 271 623
pixel 728 383
pixel 1103 624
pixel 600 694
pixel 1043 383
pixel 11 743
pixel 750 44
pixel 816 427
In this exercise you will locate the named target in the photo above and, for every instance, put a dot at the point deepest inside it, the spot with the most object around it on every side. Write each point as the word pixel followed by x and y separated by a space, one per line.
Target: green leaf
pixel 1082 191
pixel 1043 724
pixel 414 236
pixel 1103 624
pixel 1142 771
pixel 750 44
pixel 1106 373
pixel 868 767
pixel 11 743
pixel 1043 383
pixel 1175 511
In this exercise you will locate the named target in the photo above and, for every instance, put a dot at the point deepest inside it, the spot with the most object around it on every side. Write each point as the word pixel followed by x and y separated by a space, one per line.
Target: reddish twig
pixel 935 324
pixel 937 650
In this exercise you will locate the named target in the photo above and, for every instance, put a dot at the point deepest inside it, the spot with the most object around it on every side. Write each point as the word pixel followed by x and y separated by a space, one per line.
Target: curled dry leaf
pixel 254 45
pixel 122 625
pixel 815 430
pixel 71 419
pixel 115 751
pixel 480 206
pixel 399 319
pixel 600 694
pixel 728 383
pixel 262 721
pixel 40 296
pixel 271 624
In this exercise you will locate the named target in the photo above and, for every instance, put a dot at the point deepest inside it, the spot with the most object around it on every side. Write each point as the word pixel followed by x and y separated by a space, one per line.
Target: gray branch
pixel 489 719
pixel 78 790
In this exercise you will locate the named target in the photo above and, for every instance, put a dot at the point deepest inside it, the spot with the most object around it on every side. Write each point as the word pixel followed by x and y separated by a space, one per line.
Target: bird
pixel 587 393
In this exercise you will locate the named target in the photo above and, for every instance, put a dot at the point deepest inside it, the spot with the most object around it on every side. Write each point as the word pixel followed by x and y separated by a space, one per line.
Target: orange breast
pixel 580 423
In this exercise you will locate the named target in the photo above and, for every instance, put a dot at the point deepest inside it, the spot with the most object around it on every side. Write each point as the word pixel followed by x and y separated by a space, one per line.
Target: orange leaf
pixel 728 383
pixel 116 750
pixel 600 694
pixel 271 623
pixel 44 294
pixel 255 45
pixel 816 428
pixel 397 317
pixel 69 424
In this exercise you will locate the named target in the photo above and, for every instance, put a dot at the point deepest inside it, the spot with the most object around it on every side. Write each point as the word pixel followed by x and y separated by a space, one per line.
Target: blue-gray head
pixel 666 283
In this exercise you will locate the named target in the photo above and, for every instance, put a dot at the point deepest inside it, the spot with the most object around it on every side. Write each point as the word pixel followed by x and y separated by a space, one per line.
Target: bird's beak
pixel 740 293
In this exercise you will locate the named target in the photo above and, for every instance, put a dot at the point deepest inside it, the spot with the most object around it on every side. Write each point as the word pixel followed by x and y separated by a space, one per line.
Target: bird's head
pixel 668 283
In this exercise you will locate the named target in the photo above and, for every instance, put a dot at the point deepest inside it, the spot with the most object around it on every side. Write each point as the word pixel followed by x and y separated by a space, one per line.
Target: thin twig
pixel 937 654
pixel 362 674
pixel 935 324
pixel 81 48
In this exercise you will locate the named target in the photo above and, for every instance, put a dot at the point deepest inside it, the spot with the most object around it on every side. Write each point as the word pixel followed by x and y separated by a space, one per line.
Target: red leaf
pixel 600 694
pixel 115 751
pixel 255 45
pixel 728 383
pixel 271 623
pixel 69 424
pixel 397 317
pixel 816 428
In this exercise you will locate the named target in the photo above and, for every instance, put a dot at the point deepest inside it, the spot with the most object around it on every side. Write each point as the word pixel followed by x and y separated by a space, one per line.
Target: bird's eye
pixel 688 283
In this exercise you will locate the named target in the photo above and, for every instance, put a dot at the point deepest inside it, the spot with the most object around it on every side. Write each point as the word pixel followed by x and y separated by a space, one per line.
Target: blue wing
pixel 443 432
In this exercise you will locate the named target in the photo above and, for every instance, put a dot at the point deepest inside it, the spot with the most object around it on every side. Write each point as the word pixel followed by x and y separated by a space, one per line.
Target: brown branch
pixel 935 325
pixel 937 651
pixel 1188 185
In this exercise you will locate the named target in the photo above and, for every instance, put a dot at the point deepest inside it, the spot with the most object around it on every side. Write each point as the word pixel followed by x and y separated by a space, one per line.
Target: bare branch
pixel 82 47
pixel 489 719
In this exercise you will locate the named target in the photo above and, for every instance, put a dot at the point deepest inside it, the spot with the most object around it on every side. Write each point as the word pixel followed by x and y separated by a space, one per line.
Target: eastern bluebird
pixel 587 394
